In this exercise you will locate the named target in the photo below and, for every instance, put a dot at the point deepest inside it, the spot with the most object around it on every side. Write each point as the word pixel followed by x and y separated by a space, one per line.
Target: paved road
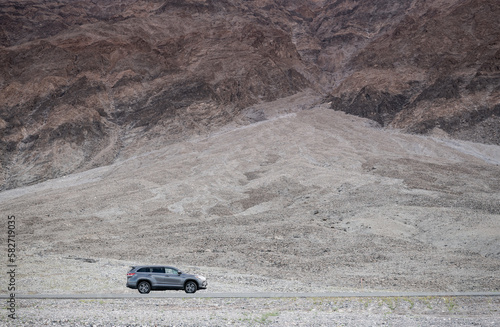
pixel 202 294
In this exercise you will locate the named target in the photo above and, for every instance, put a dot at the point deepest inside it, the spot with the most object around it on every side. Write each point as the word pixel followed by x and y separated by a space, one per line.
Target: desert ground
pixel 291 196
pixel 307 312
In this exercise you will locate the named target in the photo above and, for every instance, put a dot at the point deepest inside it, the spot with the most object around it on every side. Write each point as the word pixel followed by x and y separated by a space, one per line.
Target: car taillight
pixel 130 274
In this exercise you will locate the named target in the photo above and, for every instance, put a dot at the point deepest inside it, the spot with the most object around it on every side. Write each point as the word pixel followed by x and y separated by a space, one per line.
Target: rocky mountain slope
pixel 209 134
pixel 83 84
pixel 436 68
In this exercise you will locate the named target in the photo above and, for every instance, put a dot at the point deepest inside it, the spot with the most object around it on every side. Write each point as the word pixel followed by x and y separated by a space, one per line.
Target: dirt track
pixel 304 199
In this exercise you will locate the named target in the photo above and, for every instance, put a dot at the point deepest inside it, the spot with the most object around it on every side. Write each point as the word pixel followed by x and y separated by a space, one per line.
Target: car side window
pixel 170 271
pixel 146 269
pixel 160 270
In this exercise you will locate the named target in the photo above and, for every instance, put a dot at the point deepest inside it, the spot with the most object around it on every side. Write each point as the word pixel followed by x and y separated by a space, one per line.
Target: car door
pixel 158 276
pixel 172 277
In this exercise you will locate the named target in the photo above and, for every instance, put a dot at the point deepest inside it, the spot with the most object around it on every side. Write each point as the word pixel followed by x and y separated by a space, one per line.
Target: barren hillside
pixel 310 198
pixel 271 145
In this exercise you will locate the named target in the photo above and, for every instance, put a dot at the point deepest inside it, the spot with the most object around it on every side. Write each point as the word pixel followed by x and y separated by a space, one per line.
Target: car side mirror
pixel 179 272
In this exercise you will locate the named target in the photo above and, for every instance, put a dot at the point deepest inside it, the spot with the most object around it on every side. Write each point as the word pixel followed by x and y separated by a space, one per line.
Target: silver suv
pixel 151 278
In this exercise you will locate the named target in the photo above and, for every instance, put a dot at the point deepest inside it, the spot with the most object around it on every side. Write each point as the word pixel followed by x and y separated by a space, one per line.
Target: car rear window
pixel 145 269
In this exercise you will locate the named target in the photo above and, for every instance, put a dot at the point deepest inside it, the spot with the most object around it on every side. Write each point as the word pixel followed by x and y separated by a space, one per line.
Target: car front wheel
pixel 190 287
pixel 144 287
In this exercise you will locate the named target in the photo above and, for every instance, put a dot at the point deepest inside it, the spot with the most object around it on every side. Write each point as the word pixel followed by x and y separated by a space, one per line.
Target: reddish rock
pixel 85 82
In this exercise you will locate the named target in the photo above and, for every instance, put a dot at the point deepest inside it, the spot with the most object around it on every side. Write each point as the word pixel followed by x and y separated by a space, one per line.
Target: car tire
pixel 144 287
pixel 190 287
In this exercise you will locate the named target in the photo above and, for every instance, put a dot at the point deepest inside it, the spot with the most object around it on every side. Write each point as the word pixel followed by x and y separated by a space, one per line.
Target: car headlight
pixel 200 277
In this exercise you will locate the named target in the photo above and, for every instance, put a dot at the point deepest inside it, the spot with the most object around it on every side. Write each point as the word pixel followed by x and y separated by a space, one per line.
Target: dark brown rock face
pixel 85 82
pixel 82 84
pixel 436 66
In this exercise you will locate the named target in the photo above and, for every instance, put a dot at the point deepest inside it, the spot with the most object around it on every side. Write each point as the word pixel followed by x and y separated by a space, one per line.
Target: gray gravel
pixel 423 311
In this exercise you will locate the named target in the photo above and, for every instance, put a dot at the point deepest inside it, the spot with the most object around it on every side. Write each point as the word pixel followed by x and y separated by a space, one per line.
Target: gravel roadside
pixel 421 311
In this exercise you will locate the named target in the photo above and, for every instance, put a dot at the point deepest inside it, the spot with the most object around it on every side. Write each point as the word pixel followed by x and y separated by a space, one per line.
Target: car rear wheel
pixel 190 287
pixel 144 287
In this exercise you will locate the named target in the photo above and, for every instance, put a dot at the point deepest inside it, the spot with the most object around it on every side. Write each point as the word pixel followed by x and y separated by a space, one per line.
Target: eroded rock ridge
pixel 83 83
